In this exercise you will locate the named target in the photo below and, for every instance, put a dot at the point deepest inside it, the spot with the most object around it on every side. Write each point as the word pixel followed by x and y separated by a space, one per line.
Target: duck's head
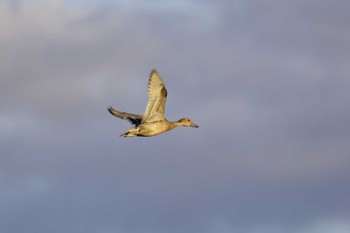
pixel 187 122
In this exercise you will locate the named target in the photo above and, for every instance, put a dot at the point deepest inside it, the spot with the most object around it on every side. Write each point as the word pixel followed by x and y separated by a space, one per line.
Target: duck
pixel 152 122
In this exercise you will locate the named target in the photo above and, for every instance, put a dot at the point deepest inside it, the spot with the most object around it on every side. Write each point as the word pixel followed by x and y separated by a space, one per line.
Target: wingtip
pixel 153 71
pixel 110 110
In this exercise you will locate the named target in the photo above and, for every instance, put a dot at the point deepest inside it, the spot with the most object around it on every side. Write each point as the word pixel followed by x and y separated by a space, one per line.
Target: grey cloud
pixel 267 83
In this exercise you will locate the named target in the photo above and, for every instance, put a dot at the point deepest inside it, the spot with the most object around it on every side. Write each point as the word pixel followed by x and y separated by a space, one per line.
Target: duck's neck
pixel 176 123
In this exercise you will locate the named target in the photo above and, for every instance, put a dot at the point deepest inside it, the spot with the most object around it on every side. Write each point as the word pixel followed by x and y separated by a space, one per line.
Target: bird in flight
pixel 152 122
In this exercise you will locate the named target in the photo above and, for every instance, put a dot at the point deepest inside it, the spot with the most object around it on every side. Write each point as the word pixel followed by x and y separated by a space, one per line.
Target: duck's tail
pixel 129 133
pixel 126 134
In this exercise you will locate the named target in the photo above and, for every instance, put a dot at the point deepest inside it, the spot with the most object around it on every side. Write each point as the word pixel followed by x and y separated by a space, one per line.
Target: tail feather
pixel 128 134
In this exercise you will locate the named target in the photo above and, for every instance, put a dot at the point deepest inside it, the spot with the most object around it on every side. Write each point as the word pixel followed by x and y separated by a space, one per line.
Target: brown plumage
pixel 153 121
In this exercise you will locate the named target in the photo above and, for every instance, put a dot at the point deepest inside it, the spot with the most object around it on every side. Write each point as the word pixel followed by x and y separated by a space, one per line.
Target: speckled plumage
pixel 153 121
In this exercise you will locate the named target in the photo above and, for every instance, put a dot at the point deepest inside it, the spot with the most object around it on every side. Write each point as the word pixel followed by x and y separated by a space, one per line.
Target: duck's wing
pixel 157 94
pixel 133 118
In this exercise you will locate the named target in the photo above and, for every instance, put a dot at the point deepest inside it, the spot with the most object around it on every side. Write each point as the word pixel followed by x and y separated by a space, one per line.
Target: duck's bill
pixel 195 126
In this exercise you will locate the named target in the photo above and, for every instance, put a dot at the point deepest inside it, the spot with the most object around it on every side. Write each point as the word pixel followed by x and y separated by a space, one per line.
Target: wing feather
pixel 133 118
pixel 157 94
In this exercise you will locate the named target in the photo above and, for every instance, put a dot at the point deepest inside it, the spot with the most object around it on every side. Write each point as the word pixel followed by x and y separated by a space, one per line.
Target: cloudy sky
pixel 267 81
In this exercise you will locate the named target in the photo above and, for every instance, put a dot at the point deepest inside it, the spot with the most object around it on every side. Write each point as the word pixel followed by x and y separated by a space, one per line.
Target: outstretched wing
pixel 133 118
pixel 157 94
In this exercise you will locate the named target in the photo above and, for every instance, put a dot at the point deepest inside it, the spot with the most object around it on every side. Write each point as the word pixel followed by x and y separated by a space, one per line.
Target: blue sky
pixel 267 82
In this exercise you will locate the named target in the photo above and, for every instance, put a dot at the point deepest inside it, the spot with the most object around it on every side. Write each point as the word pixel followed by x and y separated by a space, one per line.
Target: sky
pixel 267 82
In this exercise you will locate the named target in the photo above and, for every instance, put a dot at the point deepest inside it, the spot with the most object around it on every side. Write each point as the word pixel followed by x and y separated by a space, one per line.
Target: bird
pixel 152 122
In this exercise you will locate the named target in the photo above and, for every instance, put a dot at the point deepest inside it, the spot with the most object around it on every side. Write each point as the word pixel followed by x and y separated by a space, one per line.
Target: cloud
pixel 321 226
pixel 266 82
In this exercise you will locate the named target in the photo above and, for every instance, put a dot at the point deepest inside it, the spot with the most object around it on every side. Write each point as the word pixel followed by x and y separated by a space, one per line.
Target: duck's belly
pixel 150 129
